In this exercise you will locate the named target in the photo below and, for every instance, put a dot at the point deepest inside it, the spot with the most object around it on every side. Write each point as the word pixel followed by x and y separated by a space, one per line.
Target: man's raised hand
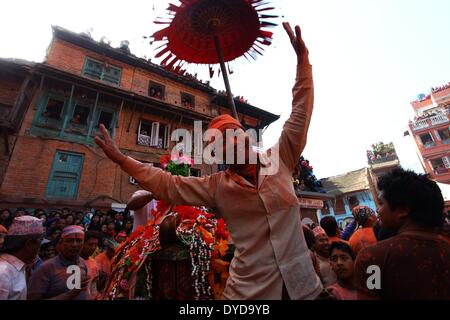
pixel 297 42
pixel 108 146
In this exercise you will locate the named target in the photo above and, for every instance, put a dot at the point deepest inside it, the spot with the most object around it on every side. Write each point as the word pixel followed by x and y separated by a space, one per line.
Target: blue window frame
pixel 102 71
pixel 77 121
pixel 65 175
pixel 52 109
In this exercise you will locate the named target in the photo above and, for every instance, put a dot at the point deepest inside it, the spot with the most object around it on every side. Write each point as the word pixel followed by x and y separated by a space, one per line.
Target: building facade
pixel 431 132
pixel 51 111
pixel 348 190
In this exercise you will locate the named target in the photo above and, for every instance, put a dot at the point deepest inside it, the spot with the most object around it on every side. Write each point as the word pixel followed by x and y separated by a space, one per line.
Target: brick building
pixel 50 112
pixel 431 133
pixel 359 187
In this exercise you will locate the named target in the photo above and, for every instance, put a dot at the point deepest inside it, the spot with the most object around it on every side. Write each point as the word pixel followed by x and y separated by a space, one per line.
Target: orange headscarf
pixel 223 122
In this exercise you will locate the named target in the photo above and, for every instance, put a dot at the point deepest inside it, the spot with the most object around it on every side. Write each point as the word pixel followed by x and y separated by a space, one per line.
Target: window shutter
pixel 155 134
pixel 438 137
pixel 419 140
pixel 446 162
pixel 166 136
pixel 139 129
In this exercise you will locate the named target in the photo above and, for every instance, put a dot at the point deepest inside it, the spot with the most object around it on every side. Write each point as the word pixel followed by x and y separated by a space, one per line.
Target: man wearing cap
pixel 261 210
pixel 50 281
pixel 321 249
pixel 104 259
pixel 19 250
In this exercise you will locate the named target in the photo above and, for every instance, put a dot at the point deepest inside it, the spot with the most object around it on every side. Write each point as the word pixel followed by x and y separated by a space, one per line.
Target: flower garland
pixel 207 240
pixel 129 257
pixel 206 237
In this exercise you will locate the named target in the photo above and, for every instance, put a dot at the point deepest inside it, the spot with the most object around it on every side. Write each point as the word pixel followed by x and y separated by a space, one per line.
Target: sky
pixel 370 60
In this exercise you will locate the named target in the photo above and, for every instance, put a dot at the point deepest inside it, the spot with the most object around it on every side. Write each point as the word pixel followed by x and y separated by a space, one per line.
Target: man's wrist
pixel 121 159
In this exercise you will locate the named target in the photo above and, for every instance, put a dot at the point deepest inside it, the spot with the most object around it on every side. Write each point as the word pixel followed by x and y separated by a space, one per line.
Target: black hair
pixel 6 223
pixel 329 224
pixel 54 230
pixel 416 192
pixel 342 246
pixel 13 244
pixel 92 234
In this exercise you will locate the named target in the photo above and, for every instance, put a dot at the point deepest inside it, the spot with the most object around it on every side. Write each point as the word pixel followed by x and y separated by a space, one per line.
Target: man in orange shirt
pixel 364 236
pixel 104 259
pixel 256 200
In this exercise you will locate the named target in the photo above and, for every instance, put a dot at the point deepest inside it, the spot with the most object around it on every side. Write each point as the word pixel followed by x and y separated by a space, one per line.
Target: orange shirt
pixel 362 238
pixel 104 263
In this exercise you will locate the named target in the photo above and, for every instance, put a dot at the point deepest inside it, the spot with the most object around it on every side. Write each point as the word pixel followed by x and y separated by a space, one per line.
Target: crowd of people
pixel 401 253
pixel 409 236
pixel 60 238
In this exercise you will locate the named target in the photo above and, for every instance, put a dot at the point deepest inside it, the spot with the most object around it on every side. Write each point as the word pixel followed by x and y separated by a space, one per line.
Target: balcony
pixel 430 122
pixel 418 125
pixel 439 119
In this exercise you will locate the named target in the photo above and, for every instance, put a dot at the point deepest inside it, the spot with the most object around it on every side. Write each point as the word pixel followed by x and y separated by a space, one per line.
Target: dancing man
pixel 271 259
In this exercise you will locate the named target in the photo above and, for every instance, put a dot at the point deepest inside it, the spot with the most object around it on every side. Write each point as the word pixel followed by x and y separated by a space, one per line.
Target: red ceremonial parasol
pixel 214 31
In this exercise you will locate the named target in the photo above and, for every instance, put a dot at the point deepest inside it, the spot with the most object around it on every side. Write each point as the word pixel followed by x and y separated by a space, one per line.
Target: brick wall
pixel 9 89
pixel 68 57
pixel 25 179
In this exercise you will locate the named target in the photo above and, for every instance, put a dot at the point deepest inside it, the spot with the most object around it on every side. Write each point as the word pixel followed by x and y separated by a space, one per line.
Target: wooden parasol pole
pixel 225 76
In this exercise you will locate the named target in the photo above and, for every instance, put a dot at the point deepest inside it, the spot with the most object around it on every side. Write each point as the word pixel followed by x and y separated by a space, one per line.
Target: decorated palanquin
pixel 184 257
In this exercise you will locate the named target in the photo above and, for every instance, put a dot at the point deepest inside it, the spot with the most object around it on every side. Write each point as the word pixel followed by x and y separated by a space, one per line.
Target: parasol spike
pixel 230 70
pixel 173 8
pixel 266 34
pixel 265 24
pixel 265 9
pixel 159 35
pixel 268 16
pixel 258 46
pixel 161 46
pixel 264 42
pixel 173 62
pixel 211 72
pixel 258 2
pixel 256 50
pixel 161 22
pixel 256 5
pixel 162 52
pixel 170 56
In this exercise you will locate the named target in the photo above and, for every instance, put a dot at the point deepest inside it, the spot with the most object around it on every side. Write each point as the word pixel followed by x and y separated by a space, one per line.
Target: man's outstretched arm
pixel 174 189
pixel 295 130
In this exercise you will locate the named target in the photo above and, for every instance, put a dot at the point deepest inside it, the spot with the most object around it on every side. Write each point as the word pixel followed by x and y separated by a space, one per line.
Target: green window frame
pixel 65 175
pixel 65 128
pixel 99 112
pixel 102 71
pixel 50 121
